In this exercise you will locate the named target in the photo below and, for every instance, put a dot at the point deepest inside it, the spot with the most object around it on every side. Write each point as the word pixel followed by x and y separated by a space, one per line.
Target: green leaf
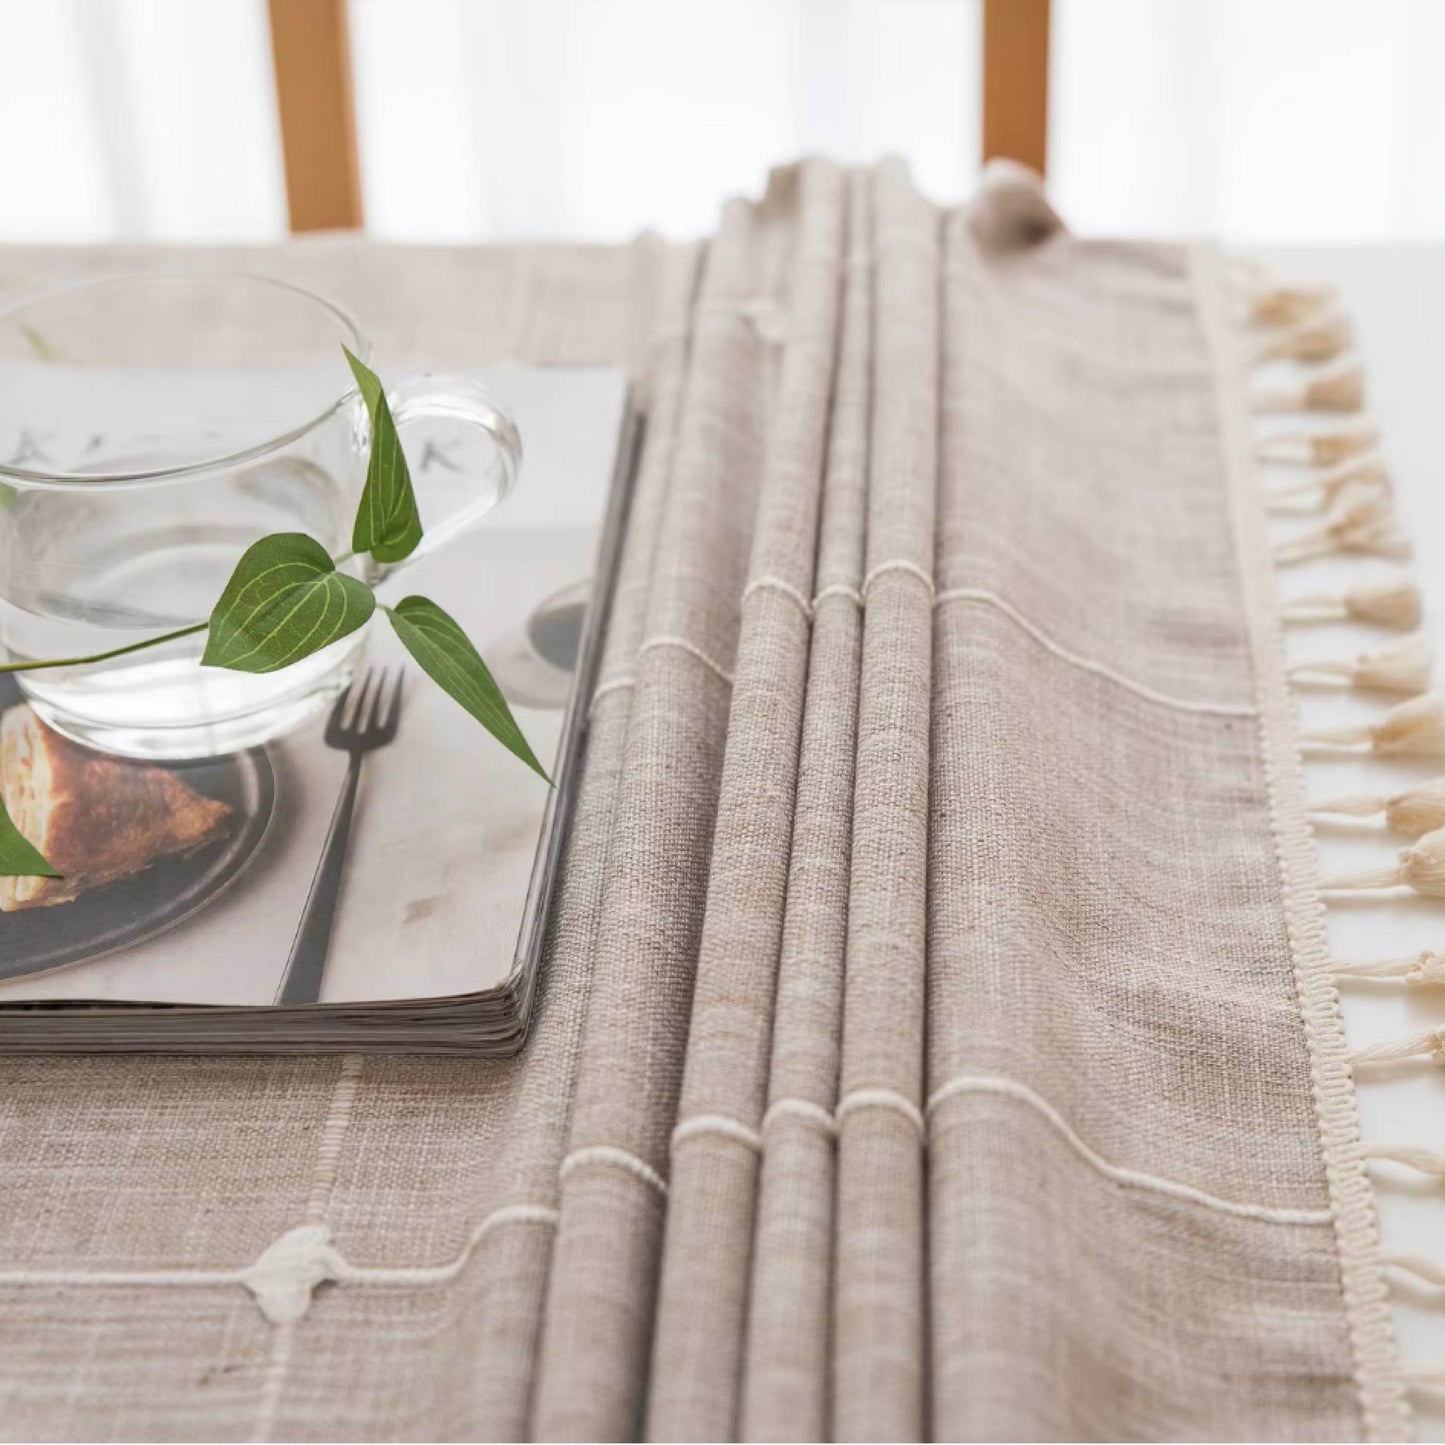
pixel 387 522
pixel 19 858
pixel 38 344
pixel 285 600
pixel 447 656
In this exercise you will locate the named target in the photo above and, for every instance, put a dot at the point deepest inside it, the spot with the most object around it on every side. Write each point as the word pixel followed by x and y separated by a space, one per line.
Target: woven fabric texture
pixel 931 1039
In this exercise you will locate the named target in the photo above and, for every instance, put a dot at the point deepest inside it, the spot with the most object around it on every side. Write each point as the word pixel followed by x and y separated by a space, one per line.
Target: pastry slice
pixel 95 818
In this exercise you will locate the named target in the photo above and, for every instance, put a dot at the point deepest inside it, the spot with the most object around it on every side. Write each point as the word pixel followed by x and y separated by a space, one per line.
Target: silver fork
pixel 364 719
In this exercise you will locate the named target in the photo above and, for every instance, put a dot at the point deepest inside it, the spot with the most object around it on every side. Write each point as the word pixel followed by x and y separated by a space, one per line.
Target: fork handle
pixel 301 982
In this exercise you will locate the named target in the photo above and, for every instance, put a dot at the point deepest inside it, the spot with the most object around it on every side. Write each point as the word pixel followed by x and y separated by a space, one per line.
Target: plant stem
pixel 103 656
pixel 5 667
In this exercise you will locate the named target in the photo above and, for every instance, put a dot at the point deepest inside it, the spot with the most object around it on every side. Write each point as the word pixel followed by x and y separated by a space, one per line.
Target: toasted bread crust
pixel 96 819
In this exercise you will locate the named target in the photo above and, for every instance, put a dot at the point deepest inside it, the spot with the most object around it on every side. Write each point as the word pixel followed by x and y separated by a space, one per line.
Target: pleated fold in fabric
pixel 879 1355
pixel 935 1037
pixel 509 1312
pixel 596 1338
pixel 785 1392
pixel 698 1342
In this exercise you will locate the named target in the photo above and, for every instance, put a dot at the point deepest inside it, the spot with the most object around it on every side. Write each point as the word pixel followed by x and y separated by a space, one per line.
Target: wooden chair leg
pixel 1016 81
pixel 312 59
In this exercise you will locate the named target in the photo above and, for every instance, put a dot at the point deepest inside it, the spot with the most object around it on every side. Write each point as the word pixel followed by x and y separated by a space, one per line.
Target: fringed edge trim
pixel 1379 1378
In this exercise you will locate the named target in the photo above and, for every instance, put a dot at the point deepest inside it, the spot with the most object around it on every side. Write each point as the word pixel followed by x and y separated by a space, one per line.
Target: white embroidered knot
pixel 286 1274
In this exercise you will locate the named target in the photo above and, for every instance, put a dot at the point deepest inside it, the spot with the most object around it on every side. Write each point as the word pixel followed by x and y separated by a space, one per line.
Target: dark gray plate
pixel 165 894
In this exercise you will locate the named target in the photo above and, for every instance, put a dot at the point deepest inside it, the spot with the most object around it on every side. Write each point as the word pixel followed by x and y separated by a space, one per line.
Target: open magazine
pixel 173 927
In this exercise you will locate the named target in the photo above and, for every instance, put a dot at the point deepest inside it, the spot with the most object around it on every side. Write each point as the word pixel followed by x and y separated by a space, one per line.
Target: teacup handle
pixel 456 399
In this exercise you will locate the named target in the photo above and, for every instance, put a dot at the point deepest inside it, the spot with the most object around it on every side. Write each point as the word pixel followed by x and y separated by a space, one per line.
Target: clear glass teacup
pixel 152 427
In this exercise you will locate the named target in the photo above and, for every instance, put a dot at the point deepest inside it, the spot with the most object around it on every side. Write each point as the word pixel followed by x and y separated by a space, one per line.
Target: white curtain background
pixel 138 119
pixel 1252 120
pixel 594 118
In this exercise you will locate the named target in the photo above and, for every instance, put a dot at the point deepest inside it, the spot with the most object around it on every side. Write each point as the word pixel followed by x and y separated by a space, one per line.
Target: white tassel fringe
pixel 1336 386
pixel 1424 970
pixel 1313 493
pixel 1362 520
pixel 1421 867
pixel 1422 1161
pixel 1319 448
pixel 1394 603
pixel 1412 814
pixel 1403 669
pixel 1428 1045
pixel 1414 729
pixel 1320 337
pixel 1278 305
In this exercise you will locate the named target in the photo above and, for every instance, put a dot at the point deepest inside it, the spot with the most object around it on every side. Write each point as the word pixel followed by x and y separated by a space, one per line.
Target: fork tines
pixel 369 709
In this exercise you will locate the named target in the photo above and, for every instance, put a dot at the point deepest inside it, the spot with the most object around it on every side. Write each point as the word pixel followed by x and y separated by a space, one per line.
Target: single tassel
pixel 1362 520
pixel 1320 490
pixel 1424 970
pixel 1422 1161
pixel 1428 1045
pixel 1319 338
pixel 1425 1379
pixel 1403 669
pixel 1414 729
pixel 1411 814
pixel 1421 867
pixel 1394 603
pixel 1336 386
pixel 1285 305
pixel 1319 449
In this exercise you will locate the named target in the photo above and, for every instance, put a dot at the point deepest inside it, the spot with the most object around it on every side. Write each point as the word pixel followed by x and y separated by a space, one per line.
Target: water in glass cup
pixel 153 428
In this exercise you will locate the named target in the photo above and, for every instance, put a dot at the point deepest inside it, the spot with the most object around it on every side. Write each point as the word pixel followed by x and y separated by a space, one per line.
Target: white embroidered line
pixel 288 1270
pixel 692 649
pixel 613 684
pixel 857 1099
pixel 618 1158
pixel 333 1134
pixel 838 589
pixel 428 1274
pixel 122 1276
pixel 767 320
pixel 803 1109
pixel 701 1124
pixel 1099 669
pixel 282 1279
pixel 1010 1088
pixel 777 584
pixel 898 564
pixel 763 315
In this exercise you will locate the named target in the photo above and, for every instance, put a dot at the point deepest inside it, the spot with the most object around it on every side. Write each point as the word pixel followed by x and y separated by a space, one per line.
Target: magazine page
pixel 198 873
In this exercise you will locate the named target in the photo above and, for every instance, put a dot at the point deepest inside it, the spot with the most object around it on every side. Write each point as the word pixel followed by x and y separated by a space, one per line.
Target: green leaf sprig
pixel 287 599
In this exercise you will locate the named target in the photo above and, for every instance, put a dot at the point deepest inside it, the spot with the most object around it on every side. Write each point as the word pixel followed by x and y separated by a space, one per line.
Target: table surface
pixel 1396 297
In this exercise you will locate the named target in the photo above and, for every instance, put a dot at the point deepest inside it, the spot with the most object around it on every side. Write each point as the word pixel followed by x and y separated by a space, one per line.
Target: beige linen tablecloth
pixel 935 1037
